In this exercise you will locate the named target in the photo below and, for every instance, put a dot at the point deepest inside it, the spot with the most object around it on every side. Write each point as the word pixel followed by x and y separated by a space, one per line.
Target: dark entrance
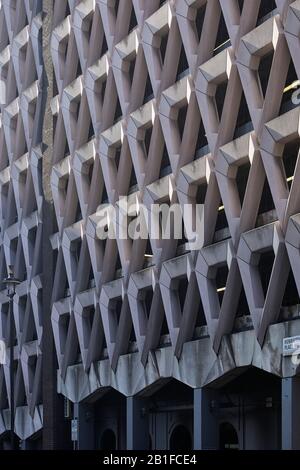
pixel 228 437
pixel 180 439
pixel 108 440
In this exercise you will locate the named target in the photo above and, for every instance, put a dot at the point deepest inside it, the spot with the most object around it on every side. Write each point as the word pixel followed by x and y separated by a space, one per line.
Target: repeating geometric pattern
pixel 178 101
pixel 21 66
pixel 185 102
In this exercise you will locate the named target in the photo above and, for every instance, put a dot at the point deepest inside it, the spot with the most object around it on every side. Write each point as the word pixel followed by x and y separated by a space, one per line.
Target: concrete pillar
pixel 290 413
pixel 25 444
pixel 206 430
pixel 161 435
pixel 137 424
pixel 84 413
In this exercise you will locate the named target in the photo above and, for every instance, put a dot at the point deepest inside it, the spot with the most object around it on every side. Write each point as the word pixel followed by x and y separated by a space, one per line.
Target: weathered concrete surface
pixel 198 366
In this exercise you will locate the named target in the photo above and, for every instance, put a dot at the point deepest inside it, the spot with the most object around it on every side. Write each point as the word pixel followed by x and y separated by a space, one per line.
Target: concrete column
pixel 137 424
pixel 161 436
pixel 25 445
pixel 206 431
pixel 290 413
pixel 84 414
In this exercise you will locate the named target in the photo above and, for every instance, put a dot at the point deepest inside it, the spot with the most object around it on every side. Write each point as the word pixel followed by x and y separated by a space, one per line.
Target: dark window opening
pixel 90 174
pixel 117 2
pixel 133 180
pixel 242 180
pixel 78 358
pixel 147 140
pixel 67 150
pixel 148 248
pixel 91 275
pixel 243 307
pixel 221 280
pixel 104 47
pixel 131 70
pixel 222 36
pixel 102 92
pixel 163 47
pixel 118 157
pixel 165 167
pixel 286 102
pixel 118 112
pixel 104 197
pixel 78 215
pixel 220 97
pixel 291 296
pixel 77 110
pixel 148 256
pixel 66 290
pixel 241 5
pixel 67 9
pixel 266 7
pixel 91 315
pixel 222 222
pixel 132 337
pixel 183 239
pixel 202 142
pixel 200 20
pixel 183 65
pixel 243 119
pixel 133 20
pixel 200 318
pixel 65 322
pixel 5 319
pixel 148 95
pixel 118 309
pixel 181 119
pixel 55 89
pixel 148 301
pixel 118 263
pixel 201 193
pixel 22 271
pixel 104 345
pixel 290 156
pixel 264 71
pixel 266 203
pixel 265 267
pixel 79 71
pixel 164 326
pixel 78 250
pixel 91 131
pixel 89 31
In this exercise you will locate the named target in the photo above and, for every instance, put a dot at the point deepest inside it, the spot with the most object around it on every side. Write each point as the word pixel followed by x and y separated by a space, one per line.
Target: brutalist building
pixel 150 342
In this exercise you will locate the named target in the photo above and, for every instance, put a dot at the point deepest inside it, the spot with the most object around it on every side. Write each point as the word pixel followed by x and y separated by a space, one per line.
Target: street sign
pixel 291 345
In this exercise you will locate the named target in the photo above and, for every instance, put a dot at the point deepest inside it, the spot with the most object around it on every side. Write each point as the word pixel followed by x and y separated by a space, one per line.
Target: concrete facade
pixel 182 101
pixel 22 111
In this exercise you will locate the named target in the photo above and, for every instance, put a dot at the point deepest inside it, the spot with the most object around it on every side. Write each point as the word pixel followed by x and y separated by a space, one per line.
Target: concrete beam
pixel 291 413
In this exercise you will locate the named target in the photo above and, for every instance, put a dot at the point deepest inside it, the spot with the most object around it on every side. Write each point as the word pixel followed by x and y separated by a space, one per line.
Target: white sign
pixel 74 430
pixel 2 352
pixel 291 345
